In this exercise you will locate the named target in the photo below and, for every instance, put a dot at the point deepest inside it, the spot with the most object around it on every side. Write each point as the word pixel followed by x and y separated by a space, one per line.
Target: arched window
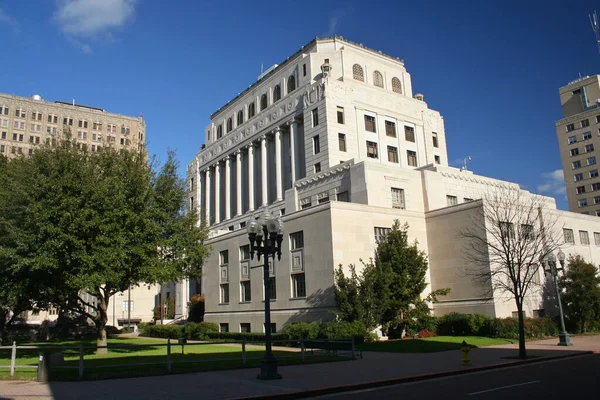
pixel 291 83
pixel 263 102
pixel 251 110
pixel 276 93
pixel 377 79
pixel 396 85
pixel 229 124
pixel 219 131
pixel 240 117
pixel 357 73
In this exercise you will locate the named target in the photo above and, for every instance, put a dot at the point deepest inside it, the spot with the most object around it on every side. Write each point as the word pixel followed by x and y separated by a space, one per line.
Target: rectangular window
pixel 2 148
pixel 575 152
pixel 578 177
pixel 323 200
pixel 370 123
pixel 126 305
pixel 594 173
pixel 507 230
pixel 392 154
pixel 296 240
pixel 381 234
pixel 570 127
pixel 223 327
pixel 587 135
pixel 437 159
pixel 411 157
pixel 398 198
pixel 591 160
pixel 224 293
pixel 342 141
pixel 224 257
pixel 340 115
pixel 598 119
pixel 597 200
pixel 589 147
pixel 585 123
pixel 451 200
pixel 390 128
pixel 580 189
pixel 434 136
pixel 582 203
pixel 572 139
pixel 343 196
pixel 316 145
pixel 527 232
pixel 317 167
pixel 245 291
pixel 409 134
pixel 568 235
pixel 576 164
pixel 3 135
pixel 597 238
pixel 584 238
pixel 245 327
pixel 315 117
pixel 372 149
pixel 244 252
pixel 298 285
pixel 595 186
pixel 303 69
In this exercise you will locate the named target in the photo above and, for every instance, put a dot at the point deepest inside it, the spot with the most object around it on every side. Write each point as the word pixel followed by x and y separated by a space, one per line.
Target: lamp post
pixel 266 234
pixel 549 264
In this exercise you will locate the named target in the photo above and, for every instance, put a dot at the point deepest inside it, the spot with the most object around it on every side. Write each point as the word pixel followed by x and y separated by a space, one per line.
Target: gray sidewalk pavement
pixel 243 383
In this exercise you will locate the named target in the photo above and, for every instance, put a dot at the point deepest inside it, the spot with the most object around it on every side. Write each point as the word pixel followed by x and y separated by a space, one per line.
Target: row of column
pixel 206 179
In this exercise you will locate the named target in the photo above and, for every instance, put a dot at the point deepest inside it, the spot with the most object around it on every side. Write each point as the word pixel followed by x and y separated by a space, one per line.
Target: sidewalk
pixel 243 383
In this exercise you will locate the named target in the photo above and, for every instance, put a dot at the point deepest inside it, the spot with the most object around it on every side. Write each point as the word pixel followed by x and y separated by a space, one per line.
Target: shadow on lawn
pixel 419 346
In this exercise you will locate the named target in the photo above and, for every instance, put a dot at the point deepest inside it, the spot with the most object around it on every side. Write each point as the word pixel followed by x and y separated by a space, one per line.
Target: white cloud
pixel 92 19
pixel 554 183
pixel 7 20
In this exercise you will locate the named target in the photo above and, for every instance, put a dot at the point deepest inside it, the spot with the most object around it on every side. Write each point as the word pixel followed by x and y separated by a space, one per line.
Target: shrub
pixel 112 330
pixel 196 308
pixel 346 330
pixel 302 330
pixel 425 333
pixel 198 331
pixel 163 331
pixel 249 336
pixel 454 324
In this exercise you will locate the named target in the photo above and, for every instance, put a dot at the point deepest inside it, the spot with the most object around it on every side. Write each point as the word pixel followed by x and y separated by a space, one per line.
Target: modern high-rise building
pixel 26 122
pixel 334 142
pixel 578 140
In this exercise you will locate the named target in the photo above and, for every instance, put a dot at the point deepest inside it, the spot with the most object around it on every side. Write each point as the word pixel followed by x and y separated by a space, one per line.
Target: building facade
pixel 578 138
pixel 334 141
pixel 29 122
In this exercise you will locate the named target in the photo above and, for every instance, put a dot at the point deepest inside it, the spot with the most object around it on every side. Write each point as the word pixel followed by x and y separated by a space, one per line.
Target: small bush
pixel 425 334
pixel 112 330
pixel 302 330
pixel 199 331
pixel 163 331
pixel 249 336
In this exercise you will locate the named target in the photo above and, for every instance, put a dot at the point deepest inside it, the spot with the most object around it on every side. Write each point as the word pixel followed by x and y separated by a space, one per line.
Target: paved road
pixel 565 379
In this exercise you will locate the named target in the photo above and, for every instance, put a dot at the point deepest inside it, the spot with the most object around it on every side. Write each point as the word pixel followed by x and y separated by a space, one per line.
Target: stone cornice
pixel 337 169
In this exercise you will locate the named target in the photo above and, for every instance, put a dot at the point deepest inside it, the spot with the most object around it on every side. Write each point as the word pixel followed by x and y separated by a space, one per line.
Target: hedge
pixel 456 324
pixel 191 330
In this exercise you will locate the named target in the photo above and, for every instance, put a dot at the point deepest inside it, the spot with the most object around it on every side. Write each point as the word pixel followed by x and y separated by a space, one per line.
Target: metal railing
pixel 306 348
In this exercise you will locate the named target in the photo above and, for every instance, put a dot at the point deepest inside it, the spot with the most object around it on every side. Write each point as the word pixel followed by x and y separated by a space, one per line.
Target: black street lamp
pixel 266 234
pixel 549 264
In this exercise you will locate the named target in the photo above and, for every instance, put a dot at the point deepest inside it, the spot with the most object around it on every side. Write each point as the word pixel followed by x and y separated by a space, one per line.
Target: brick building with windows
pixel 335 143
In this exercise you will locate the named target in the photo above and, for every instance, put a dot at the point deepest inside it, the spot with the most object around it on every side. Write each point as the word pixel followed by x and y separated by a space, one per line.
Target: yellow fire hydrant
pixel 465 353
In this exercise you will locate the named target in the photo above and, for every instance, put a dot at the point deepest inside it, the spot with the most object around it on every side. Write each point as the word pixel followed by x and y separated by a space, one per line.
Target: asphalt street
pixel 570 378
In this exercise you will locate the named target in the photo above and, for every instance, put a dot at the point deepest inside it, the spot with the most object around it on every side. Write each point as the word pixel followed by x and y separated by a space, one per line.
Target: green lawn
pixel 201 357
pixel 432 344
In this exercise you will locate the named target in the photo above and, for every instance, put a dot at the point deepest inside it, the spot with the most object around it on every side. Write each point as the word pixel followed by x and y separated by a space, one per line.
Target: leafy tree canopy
pixel 581 286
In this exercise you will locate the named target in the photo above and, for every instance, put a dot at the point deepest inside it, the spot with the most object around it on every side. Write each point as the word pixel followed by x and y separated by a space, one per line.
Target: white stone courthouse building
pixel 334 141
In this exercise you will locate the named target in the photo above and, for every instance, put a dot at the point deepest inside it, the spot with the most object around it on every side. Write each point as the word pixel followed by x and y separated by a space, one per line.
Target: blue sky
pixel 492 68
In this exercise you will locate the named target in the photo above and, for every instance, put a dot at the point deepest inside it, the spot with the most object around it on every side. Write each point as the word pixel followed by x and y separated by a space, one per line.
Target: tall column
pixel 238 186
pixel 217 192
pixel 277 138
pixel 293 129
pixel 263 170
pixel 228 188
pixel 207 195
pixel 251 177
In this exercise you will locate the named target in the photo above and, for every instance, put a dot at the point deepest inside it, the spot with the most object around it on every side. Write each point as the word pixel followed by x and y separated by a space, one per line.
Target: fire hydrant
pixel 465 353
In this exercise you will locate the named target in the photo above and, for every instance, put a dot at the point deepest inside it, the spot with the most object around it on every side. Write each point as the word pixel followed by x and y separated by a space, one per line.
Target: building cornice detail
pixel 325 174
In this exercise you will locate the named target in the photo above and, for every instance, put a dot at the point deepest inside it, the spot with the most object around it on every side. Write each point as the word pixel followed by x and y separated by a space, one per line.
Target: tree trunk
pixel 101 320
pixel 522 350
pixel 3 326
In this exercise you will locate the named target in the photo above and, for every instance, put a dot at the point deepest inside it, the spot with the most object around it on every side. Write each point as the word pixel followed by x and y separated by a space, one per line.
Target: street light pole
pixel 266 235
pixel 129 308
pixel 564 338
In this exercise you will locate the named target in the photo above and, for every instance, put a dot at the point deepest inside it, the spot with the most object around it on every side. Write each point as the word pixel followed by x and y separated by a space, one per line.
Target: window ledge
pixel 297 298
pixel 223 304
pixel 245 302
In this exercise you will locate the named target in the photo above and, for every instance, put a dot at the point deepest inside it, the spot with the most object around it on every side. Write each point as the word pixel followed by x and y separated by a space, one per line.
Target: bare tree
pixel 507 237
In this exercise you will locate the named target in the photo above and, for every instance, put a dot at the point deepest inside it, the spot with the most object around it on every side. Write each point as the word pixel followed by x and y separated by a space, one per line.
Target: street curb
pixel 395 381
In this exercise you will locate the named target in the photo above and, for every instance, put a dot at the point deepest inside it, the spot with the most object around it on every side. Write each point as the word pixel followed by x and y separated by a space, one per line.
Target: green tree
pixel 388 290
pixel 86 225
pixel 581 287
